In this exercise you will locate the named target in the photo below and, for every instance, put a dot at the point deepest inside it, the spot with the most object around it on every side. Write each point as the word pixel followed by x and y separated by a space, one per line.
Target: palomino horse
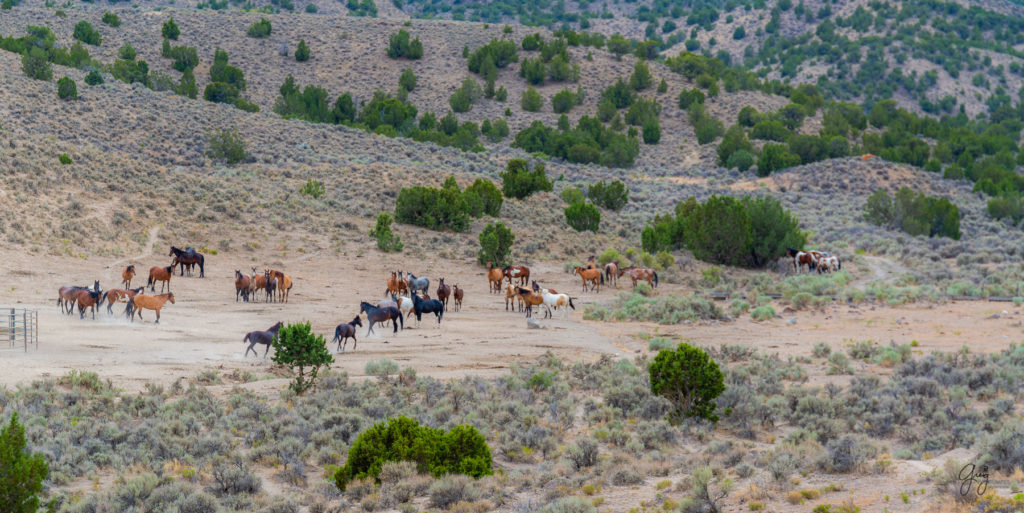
pixel 161 274
pixel 511 296
pixel 552 300
pixel 517 272
pixel 155 303
pixel 531 299
pixel 421 306
pixel 494 277
pixel 592 276
pixel 127 274
pixel 457 294
pixel 242 284
pixel 418 284
pixel 88 299
pixel 381 315
pixel 188 257
pixel 261 337
pixel 284 285
pixel 611 272
pixel 639 273
pixel 346 331
pixel 443 292
pixel 116 295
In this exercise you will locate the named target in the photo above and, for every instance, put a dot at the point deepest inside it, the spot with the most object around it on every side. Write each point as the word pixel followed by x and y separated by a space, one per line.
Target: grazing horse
pixel 284 285
pixel 127 274
pixel 517 272
pixel 261 337
pixel 88 299
pixel 242 284
pixel 443 292
pixel 510 298
pixel 418 284
pixel 611 272
pixel 494 277
pixel 161 274
pixel 552 300
pixel 381 315
pixel 457 294
pixel 531 299
pixel 155 303
pixel 345 331
pixel 188 257
pixel 640 273
pixel 116 295
pixel 593 276
pixel 421 306
pixel 270 283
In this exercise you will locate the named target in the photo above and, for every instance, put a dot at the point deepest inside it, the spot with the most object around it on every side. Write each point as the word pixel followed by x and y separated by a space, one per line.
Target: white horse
pixel 829 264
pixel 557 300
pixel 404 305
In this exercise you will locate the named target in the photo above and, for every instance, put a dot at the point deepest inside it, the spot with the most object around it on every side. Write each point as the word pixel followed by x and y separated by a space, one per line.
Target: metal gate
pixel 20 327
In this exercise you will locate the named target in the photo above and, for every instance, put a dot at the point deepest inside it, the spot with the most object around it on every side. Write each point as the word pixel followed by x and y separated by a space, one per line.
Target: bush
pixel 652 131
pixel 775 157
pixel 490 198
pixel 227 146
pixel 583 216
pixel 462 450
pixel 689 97
pixel 463 98
pixel 260 29
pixel 302 51
pixel 185 57
pixel 495 245
pixel 170 30
pixel 35 64
pixel 452 490
pixel 520 183
pixel 66 89
pixel 432 208
pixel 763 313
pixel 85 33
pixel 126 52
pixel 531 100
pixel 735 139
pixel 641 78
pixel 313 188
pixel 741 160
pixel 569 505
pixel 400 46
pixel 303 352
pixel 690 379
pixel 408 80
pixel 386 240
pixel 65 159
pixel 94 78
pixel 583 453
pixel 612 196
pixel 563 101
pixel 915 214
pixel 21 472
pixel 111 19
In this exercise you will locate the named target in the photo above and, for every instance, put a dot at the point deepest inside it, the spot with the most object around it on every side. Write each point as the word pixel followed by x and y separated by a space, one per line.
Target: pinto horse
pixel 800 259
pixel 552 300
pixel 381 315
pixel 404 304
pixel 591 276
pixel 829 264
pixel 421 306
pixel 611 272
pixel 639 273
pixel 443 292
pixel 345 331
pixel 457 294
pixel 261 337
pixel 127 274
pixel 494 277
pixel 537 288
pixel 88 299
pixel 161 274
pixel 517 272
pixel 242 284
pixel 188 257
pixel 142 301
pixel 116 295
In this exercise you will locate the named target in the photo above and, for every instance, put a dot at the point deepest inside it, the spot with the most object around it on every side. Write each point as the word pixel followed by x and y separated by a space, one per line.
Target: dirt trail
pixel 882 270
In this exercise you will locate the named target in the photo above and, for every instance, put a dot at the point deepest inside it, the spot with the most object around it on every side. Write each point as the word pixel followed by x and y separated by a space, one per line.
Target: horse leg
pixel 265 351
pixel 158 316
pixel 354 341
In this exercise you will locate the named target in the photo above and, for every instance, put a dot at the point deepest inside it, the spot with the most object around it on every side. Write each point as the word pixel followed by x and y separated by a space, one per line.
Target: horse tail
pixel 337 334
pixel 839 263
pixel 571 305
pixel 202 272
pixel 400 318
pixel 602 278
pixel 655 279
pixel 246 337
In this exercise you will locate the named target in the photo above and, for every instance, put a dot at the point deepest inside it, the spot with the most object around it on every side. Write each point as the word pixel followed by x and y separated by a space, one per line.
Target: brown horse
pixel 802 258
pixel 127 274
pixel 116 295
pixel 443 291
pixel 392 286
pixel 67 296
pixel 403 283
pixel 517 272
pixel 345 331
pixel 611 272
pixel 242 284
pixel 88 299
pixel 530 299
pixel 510 298
pixel 494 277
pixel 256 282
pixel 458 294
pixel 284 285
pixel 638 273
pixel 161 274
pixel 189 257
pixel 155 303
pixel 592 276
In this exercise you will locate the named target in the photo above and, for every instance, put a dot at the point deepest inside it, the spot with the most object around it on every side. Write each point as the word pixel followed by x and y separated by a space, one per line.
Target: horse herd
pixel 276 284
pixel 821 261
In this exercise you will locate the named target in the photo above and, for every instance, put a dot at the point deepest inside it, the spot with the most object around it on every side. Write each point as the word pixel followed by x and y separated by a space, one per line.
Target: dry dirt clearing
pixel 204 329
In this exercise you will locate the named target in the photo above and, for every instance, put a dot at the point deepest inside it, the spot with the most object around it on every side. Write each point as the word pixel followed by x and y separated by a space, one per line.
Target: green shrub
pixel 519 182
pixel 65 159
pixel 187 86
pixel 916 214
pixel 613 195
pixel 583 216
pixel 432 208
pixel 463 98
pixel 689 97
pixel 641 78
pixel 66 89
pixel 111 19
pixel 660 344
pixel 400 46
pixel 490 199
pixel 497 53
pixel 652 131
pixel 185 57
pixel 313 188
pixel 689 379
pixel 563 101
pixel 21 472
pixel 763 313
pixel 85 33
pixel 303 352
pixel 35 64
pixel 302 51
pixel 227 146
pixel 260 29
pixel 170 29
pixel 462 450
pixel 386 240
pixel 668 309
pixel 408 80
pixel 775 157
pixel 531 100
pixel 495 245
pixel 94 78
pixel 126 52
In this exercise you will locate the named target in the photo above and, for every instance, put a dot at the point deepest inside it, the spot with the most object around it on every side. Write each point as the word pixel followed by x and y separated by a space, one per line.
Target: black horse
pixel 375 315
pixel 261 337
pixel 188 257
pixel 421 306
pixel 344 331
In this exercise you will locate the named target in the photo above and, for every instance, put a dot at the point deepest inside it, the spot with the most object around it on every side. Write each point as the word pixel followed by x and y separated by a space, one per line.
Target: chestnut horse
pixel 88 299
pixel 127 274
pixel 242 284
pixel 494 277
pixel 517 272
pixel 611 272
pixel 443 291
pixel 155 303
pixel 593 276
pixel 403 283
pixel 531 299
pixel 116 295
pixel 457 294
pixel 638 273
pixel 393 286
pixel 345 331
pixel 67 296
pixel 284 285
pixel 161 274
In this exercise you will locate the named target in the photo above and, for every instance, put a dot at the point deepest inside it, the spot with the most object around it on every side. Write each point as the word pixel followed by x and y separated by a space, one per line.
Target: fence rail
pixel 20 326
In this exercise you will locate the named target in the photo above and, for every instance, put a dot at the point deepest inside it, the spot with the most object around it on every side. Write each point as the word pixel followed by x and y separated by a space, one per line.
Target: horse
pixel 494 277
pixel 593 276
pixel 591 262
pixel 420 284
pixel 271 285
pixel 828 264
pixel 421 306
pixel 188 257
pixel 242 284
pixel 375 315
pixel 161 274
pixel 531 299
pixel 800 259
pixel 536 288
pixel 404 305
pixel 611 272
pixel 552 300
pixel 127 274
pixel 345 331
pixel 403 283
pixel 639 273
pixel 284 285
pixel 457 294
pixel 256 282
pixel 443 292
pixel 88 299
pixel 142 301
pixel 518 272
pixel 510 298
pixel 261 337
pixel 392 286
pixel 116 295
pixel 66 297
